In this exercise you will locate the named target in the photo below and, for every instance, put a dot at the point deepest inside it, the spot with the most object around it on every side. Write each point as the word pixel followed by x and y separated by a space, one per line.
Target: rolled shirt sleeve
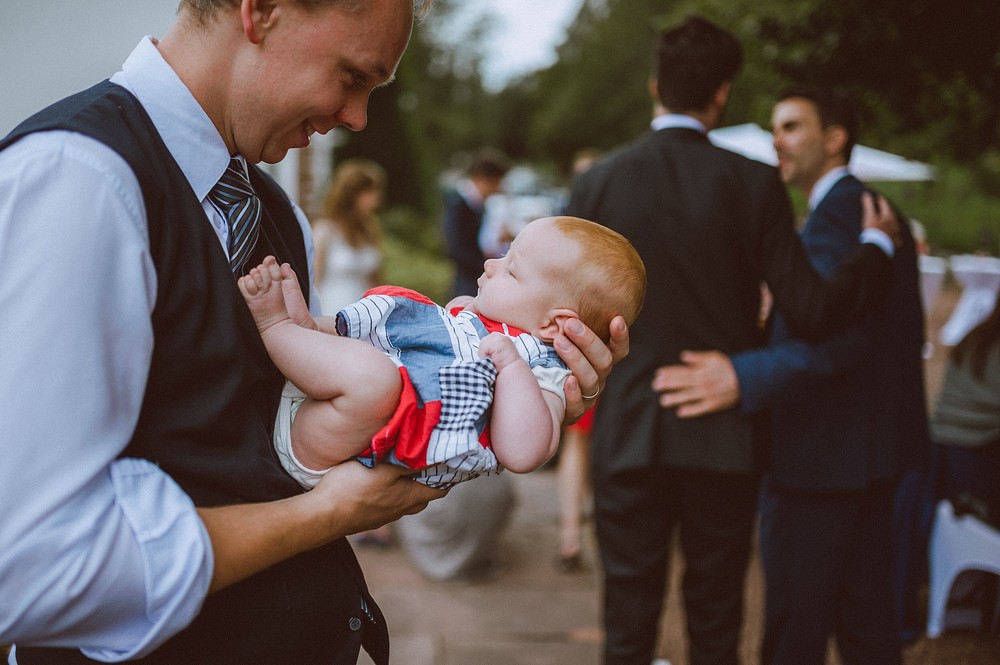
pixel 99 553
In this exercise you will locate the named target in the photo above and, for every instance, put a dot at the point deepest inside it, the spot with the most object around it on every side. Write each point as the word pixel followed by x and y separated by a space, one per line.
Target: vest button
pixel 354 623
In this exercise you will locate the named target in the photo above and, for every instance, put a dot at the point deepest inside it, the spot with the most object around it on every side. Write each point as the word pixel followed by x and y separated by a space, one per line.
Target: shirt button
pixel 354 623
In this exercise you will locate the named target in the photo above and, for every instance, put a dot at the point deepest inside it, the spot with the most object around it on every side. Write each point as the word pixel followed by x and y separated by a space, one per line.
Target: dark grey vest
pixel 209 407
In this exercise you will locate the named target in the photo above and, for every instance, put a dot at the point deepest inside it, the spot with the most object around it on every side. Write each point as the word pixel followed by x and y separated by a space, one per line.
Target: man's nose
pixel 353 115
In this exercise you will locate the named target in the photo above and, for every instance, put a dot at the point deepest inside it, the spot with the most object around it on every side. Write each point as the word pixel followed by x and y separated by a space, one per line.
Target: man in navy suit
pixel 847 415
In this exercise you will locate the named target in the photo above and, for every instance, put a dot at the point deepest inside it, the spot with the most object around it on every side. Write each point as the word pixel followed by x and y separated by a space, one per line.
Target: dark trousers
pixel 636 513
pixel 828 561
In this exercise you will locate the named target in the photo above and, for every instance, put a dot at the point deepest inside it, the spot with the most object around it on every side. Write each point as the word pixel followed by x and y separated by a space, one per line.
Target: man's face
pixel 488 185
pixel 314 71
pixel 800 141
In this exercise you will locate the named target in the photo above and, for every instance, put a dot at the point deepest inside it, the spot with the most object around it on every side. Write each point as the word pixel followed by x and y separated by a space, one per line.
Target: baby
pixel 450 394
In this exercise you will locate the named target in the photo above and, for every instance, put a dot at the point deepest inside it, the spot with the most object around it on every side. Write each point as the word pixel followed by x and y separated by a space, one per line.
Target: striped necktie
pixel 241 207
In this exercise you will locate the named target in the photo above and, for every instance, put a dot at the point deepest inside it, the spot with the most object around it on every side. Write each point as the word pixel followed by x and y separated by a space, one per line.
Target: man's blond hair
pixel 204 9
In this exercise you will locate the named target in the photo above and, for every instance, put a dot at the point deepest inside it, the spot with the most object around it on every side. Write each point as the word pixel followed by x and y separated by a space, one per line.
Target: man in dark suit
pixel 710 226
pixel 464 207
pixel 847 415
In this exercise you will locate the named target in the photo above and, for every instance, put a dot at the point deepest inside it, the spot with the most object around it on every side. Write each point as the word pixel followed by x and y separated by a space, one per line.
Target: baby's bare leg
pixel 339 424
pixel 353 388
pixel 329 431
pixel 307 357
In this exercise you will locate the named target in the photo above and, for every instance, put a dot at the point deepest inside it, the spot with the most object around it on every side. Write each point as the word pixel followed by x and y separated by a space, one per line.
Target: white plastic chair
pixel 957 544
pixel 932 272
pixel 980 280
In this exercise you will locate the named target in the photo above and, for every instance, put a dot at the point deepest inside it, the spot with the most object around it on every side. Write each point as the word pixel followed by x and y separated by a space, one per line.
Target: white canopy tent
pixel 868 164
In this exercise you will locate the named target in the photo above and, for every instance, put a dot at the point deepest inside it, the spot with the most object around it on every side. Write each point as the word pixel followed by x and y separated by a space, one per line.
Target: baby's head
pixel 560 267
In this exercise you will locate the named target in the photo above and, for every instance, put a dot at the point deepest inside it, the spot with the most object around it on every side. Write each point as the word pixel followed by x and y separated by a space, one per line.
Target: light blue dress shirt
pixel 100 553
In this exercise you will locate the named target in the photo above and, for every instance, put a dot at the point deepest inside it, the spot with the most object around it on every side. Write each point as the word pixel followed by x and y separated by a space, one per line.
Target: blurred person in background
pixel 348 239
pixel 965 429
pixel 573 464
pixel 348 235
pixel 966 422
pixel 464 207
pixel 846 416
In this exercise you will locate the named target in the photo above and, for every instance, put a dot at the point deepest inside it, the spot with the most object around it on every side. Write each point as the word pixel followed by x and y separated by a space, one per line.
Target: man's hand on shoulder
pixel 879 215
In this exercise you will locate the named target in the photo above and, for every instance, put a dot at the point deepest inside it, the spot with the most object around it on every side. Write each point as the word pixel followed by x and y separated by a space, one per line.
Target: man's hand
pixel 704 384
pixel 249 537
pixel 880 215
pixel 366 498
pixel 590 361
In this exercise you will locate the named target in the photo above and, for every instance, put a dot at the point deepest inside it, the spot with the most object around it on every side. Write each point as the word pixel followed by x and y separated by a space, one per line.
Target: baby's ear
pixel 553 324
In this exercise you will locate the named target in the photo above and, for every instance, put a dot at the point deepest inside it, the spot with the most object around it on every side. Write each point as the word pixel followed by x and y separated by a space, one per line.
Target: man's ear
pixel 257 16
pixel 835 139
pixel 722 94
pixel 553 324
pixel 653 92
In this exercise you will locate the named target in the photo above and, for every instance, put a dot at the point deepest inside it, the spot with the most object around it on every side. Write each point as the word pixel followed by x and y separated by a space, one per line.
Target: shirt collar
pixel 470 193
pixel 667 120
pixel 825 184
pixel 186 130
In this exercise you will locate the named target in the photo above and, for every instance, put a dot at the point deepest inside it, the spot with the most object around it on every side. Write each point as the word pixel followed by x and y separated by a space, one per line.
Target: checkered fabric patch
pixel 466 393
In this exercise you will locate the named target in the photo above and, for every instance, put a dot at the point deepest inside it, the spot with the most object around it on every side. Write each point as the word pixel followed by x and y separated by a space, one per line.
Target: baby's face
pixel 523 287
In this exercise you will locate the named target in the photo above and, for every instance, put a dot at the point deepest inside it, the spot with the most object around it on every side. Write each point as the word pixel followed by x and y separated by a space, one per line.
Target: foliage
pixel 595 94
pixel 957 216
pixel 437 107
pixel 919 95
pixel 413 255
pixel 926 75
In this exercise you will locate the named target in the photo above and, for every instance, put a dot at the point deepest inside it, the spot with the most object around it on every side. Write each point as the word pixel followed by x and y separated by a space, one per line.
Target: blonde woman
pixel 347 234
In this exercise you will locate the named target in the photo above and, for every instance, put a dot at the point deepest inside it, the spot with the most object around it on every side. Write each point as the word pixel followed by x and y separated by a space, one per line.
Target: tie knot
pixel 232 187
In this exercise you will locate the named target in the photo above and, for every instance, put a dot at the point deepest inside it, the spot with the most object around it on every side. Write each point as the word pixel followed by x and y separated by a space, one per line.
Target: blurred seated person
pixel 966 422
pixel 965 429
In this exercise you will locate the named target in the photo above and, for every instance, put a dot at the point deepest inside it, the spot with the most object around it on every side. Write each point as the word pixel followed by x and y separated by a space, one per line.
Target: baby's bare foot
pixel 295 302
pixel 261 289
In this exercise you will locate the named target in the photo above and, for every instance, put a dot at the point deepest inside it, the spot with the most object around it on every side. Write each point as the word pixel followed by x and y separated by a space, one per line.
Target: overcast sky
pixel 524 35
pixel 50 48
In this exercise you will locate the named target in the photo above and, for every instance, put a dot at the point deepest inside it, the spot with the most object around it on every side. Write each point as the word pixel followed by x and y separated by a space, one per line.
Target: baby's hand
pixel 500 349
pixel 462 302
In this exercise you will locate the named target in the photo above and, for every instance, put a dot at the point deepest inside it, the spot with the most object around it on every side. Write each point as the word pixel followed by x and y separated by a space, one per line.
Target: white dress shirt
pixel 99 553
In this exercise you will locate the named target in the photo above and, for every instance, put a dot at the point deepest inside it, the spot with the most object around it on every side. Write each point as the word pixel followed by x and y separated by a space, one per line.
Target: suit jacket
pixel 710 226
pixel 851 411
pixel 461 232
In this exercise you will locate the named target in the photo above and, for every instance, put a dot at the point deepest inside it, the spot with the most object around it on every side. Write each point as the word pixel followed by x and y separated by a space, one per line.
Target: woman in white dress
pixel 348 241
pixel 348 236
